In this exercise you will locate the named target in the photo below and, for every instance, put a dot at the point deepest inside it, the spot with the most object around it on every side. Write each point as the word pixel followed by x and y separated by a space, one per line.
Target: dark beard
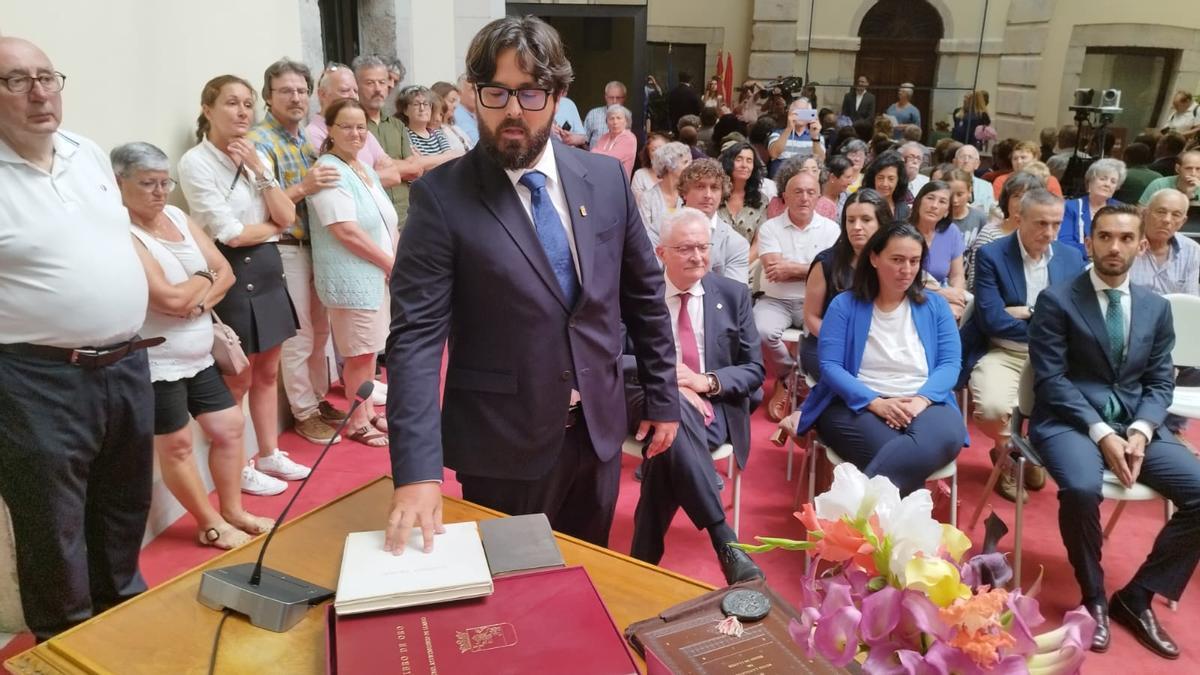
pixel 511 155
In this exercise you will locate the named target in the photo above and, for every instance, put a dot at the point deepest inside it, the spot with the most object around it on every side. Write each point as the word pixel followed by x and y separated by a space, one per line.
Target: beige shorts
pixel 358 331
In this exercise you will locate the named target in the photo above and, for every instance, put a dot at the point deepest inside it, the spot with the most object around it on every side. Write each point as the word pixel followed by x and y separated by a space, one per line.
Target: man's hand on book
pixel 416 504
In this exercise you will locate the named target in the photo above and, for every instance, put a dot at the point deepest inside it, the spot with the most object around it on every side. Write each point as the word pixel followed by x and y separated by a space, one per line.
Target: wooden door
pixel 889 63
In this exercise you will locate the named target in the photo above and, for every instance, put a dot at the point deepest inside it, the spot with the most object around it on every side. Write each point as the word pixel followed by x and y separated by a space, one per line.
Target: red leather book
pixel 548 621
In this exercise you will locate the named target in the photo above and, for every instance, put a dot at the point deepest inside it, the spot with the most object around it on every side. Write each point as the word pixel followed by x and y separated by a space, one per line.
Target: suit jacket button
pixel 247 260
pixel 250 287
pixel 571 323
pixel 566 375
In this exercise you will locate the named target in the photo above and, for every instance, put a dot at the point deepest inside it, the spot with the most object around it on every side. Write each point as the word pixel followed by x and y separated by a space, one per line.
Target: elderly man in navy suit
pixel 720 374
pixel 523 257
pixel 1010 273
pixel 1101 355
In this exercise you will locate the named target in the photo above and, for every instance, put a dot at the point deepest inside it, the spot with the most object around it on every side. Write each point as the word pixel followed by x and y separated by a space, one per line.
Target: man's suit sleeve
pixel 421 285
pixel 745 375
pixel 848 105
pixel 737 261
pixel 1158 379
pixel 1048 354
pixel 989 302
pixel 869 105
pixel 644 311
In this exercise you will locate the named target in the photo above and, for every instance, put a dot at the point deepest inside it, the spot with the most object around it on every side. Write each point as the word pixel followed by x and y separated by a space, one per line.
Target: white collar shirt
pixel 220 195
pixel 695 310
pixel 1037 272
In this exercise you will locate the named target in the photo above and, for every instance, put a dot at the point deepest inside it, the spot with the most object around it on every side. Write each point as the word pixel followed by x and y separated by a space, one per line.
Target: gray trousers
pixel 772 316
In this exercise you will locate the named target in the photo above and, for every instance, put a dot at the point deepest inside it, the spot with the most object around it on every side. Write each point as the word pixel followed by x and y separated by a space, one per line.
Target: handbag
pixel 227 348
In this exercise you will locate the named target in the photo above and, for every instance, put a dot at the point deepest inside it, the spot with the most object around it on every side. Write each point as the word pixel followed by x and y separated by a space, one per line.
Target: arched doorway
pixel 899 40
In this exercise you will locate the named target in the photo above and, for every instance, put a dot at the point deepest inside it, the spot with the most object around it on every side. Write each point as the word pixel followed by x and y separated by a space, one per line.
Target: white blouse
pixel 222 199
pixel 893 362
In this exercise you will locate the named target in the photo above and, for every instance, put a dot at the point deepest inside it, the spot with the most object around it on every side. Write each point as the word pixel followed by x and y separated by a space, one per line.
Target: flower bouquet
pixel 894 589
pixel 985 134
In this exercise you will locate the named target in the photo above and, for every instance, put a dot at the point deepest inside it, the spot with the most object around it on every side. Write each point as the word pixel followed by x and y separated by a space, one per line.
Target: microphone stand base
pixel 277 603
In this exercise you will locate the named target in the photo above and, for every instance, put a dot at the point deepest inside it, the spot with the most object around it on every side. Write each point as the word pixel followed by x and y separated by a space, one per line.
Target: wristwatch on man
pixel 714 384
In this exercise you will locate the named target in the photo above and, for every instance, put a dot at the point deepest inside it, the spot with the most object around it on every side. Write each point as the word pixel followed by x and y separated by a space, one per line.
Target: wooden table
pixel 166 630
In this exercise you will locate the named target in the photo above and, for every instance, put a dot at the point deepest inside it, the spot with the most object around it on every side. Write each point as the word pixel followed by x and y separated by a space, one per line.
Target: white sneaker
pixel 255 482
pixel 279 466
pixel 379 393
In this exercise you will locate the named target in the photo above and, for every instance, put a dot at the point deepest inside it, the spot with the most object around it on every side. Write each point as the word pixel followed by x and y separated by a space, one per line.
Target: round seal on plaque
pixel 746 605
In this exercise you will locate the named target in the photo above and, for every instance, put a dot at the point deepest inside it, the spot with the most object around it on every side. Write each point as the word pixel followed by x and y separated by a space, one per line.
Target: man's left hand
pixel 1135 453
pixel 690 379
pixel 663 435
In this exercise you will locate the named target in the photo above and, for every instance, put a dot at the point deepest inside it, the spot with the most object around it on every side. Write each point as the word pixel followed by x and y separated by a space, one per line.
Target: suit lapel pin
pixel 583 210
pixel 718 305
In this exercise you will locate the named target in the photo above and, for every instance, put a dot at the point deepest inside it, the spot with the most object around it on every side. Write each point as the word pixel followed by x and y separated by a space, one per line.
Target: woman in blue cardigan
pixel 890 355
pixel 1102 179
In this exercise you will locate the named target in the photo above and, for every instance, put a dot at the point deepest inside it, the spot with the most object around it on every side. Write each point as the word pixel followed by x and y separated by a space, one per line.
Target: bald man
pixel 76 406
pixel 982 197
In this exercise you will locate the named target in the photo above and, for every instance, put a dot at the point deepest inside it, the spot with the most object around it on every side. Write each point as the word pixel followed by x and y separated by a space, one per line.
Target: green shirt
pixel 1136 180
pixel 393 136
pixel 1162 184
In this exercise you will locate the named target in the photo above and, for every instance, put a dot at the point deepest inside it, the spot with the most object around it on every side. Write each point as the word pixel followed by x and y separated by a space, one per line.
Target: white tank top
pixel 188 348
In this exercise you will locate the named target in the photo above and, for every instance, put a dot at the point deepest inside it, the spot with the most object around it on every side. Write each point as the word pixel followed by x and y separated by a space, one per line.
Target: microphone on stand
pixel 272 599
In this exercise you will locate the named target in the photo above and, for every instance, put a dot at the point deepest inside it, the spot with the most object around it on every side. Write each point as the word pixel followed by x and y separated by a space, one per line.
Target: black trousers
pixel 578 495
pixel 76 463
pixel 1076 465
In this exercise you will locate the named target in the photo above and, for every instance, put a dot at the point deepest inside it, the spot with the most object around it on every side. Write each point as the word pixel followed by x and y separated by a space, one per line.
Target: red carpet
pixel 766 509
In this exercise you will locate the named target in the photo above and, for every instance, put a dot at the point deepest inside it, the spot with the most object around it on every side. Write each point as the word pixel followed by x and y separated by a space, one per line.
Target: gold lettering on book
pixel 484 638
pixel 402 645
pixel 428 646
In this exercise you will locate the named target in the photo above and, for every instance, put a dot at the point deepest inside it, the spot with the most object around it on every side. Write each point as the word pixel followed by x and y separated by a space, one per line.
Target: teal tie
pixel 1114 324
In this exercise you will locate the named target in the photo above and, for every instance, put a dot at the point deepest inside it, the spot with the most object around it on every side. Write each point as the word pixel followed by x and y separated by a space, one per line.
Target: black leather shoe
pixel 1145 628
pixel 737 565
pixel 1100 638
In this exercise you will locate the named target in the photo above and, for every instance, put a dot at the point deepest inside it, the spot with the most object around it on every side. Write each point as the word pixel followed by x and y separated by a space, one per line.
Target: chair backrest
pixel 1185 309
pixel 1025 390
pixel 967 311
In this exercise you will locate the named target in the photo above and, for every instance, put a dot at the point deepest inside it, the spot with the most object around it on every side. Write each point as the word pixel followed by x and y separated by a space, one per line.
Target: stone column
pixel 1025 35
pixel 773 41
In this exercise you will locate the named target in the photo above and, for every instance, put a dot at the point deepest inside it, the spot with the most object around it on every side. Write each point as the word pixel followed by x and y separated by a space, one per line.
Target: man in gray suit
pixel 1101 355
pixel 527 256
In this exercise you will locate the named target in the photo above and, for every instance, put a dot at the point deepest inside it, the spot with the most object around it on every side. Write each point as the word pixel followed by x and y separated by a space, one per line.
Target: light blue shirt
pixel 466 121
pixel 595 124
pixel 568 113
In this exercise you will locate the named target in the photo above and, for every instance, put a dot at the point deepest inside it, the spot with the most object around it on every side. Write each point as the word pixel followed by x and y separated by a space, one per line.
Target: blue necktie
pixel 553 235
pixel 1114 324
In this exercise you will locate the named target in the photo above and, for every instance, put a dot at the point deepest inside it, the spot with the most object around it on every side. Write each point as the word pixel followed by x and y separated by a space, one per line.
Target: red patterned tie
pixel 689 347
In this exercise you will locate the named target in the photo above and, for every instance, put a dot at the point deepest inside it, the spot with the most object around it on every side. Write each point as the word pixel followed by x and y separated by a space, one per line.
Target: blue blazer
pixel 1077 222
pixel 1074 372
pixel 472 279
pixel 844 338
pixel 1000 283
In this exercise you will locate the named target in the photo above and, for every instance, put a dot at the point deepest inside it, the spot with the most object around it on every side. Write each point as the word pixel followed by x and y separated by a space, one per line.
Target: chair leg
pixel 987 490
pixel 737 497
pixel 1169 511
pixel 812 486
pixel 954 500
pixel 732 464
pixel 798 495
pixel 1112 522
pixel 1019 524
pixel 791 447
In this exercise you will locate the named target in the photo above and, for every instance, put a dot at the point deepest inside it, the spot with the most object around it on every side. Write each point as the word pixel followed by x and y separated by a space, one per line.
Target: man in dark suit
pixel 720 374
pixel 527 256
pixel 1101 355
pixel 1010 273
pixel 683 100
pixel 858 103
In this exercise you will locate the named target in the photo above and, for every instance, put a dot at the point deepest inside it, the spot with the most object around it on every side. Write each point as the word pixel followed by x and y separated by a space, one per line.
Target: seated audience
pixel 708 121
pixel 890 355
pixel 689 135
pixel 414 107
pixel 1186 179
pixel 982 197
pixel 232 193
pixel 1048 138
pixel 888 177
pixel 1103 383
pixel 797 138
pixel 729 125
pixel 750 190
pixel 668 163
pixel 913 154
pixel 832 271
pixel 1001 160
pixel 1057 162
pixel 943 262
pixel 619 143
pixel 702 186
pixel 645 177
pixel 444 117
pixel 944 151
pixel 354 248
pixel 968 219
pixel 720 375
pixel 1166 153
pixel 760 135
pixel 839 175
pixel 187 276
pixel 787 245
pixel 1009 275
pixel 595 122
pixel 1137 174
pixel 1101 180
pixel 1183 117
pixel 1024 157
pixel 1010 210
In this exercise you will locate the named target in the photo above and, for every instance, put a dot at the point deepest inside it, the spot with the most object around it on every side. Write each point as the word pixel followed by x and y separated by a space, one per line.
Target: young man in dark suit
pixel 1101 354
pixel 720 374
pixel 858 103
pixel 683 100
pixel 527 256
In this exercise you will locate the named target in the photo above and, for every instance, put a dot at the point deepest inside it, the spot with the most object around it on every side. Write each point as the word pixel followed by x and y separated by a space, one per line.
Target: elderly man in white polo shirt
pixel 787 245
pixel 76 405
pixel 913 154
pixel 982 197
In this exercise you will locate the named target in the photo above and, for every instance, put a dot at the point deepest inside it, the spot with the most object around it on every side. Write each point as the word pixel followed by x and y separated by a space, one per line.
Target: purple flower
pixel 887 658
pixel 1026 617
pixel 988 569
pixel 880 615
pixel 943 659
pixel 919 615
pixel 836 637
pixel 802 630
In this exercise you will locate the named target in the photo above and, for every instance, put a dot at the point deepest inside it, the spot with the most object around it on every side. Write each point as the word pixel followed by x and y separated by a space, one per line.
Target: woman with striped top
pixel 414 107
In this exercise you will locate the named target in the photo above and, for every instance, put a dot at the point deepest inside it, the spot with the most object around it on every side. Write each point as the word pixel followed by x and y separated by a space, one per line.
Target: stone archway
pixel 899 43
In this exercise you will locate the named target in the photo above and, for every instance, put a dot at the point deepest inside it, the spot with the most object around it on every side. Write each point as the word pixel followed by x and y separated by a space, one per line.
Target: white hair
pixel 133 157
pixel 669 157
pixel 681 216
pixel 1105 165
pixel 617 107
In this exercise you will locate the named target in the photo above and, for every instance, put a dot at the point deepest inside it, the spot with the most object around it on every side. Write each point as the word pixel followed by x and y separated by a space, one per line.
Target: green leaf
pixel 876 584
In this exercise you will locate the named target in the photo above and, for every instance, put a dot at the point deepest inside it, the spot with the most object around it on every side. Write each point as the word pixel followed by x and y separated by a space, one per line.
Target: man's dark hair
pixel 866 278
pixel 1170 145
pixel 1137 154
pixel 864 129
pixel 1002 154
pixel 708 117
pixel 1067 135
pixel 1119 210
pixel 762 128
pixel 539 51
pixel 282 67
pixel 684 77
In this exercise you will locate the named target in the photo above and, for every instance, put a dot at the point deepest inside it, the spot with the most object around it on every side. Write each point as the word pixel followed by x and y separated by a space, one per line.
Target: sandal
pixel 223 536
pixel 380 423
pixel 368 436
pixel 253 525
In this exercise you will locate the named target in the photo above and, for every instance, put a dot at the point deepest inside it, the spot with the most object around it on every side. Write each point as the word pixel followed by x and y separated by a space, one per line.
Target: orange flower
pixel 977 629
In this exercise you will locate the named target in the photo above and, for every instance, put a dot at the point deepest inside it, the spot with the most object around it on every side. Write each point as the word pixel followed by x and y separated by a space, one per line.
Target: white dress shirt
pixel 221 205
pixel 558 197
pixel 1101 429
pixel 69 275
pixel 695 313
pixel 1037 279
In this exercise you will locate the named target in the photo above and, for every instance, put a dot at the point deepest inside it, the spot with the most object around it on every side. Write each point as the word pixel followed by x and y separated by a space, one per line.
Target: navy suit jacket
pixel 470 270
pixel 1000 283
pixel 1074 372
pixel 865 111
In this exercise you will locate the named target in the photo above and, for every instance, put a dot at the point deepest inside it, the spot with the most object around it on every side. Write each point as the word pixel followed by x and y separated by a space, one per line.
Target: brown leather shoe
pixel 777 407
pixel 1035 477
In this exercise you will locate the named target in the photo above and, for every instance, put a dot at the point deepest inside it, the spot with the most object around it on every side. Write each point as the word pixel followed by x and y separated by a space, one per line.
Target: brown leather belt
pixel 83 357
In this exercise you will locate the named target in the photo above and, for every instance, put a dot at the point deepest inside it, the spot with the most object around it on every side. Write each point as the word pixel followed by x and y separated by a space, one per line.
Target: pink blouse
pixel 623 146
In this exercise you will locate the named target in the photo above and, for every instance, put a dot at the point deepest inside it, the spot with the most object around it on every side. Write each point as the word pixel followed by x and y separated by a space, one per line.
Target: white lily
pixel 853 494
pixel 911 529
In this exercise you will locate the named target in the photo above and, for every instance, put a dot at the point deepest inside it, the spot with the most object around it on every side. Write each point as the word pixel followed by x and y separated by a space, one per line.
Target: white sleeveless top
pixel 188 349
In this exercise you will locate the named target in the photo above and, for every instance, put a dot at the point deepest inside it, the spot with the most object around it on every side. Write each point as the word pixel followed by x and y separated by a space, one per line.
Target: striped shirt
pixel 292 156
pixel 434 144
pixel 1180 273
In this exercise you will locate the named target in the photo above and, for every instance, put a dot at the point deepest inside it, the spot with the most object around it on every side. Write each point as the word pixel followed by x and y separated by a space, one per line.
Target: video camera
pixel 1108 103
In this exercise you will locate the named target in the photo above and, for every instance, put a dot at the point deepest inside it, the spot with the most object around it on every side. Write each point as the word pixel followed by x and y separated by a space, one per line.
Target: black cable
pixel 212 658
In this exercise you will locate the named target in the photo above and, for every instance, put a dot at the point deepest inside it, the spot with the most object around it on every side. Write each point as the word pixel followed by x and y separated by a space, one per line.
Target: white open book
pixel 373 579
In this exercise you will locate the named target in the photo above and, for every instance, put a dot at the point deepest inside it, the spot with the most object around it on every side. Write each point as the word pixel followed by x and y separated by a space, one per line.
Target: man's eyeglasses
pixel 421 104
pixel 20 84
pixel 688 250
pixel 496 97
pixel 148 186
